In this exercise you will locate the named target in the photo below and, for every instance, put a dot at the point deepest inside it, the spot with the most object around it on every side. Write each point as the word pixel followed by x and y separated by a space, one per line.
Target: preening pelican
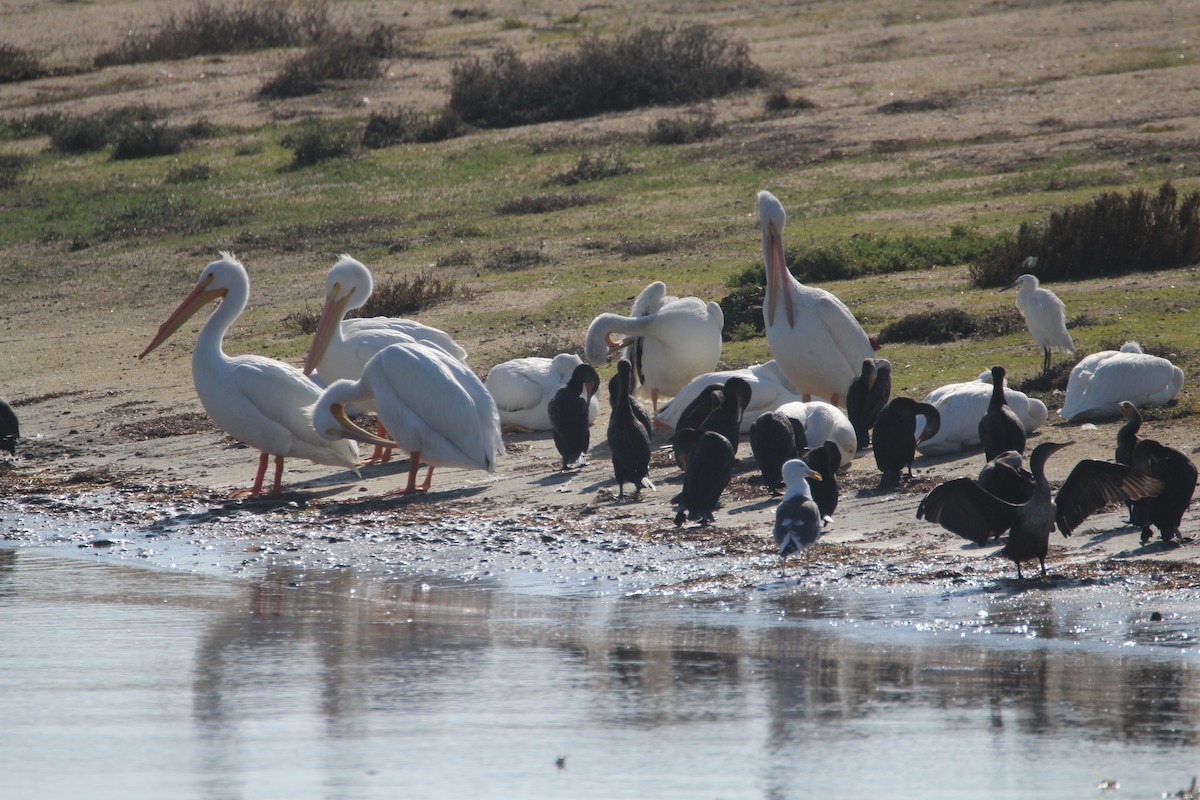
pixel 962 406
pixel 675 339
pixel 963 507
pixel 523 387
pixel 797 518
pixel 825 422
pixel 263 403
pixel 1102 380
pixel 1045 315
pixel 341 347
pixel 818 343
pixel 432 405
pixel 768 390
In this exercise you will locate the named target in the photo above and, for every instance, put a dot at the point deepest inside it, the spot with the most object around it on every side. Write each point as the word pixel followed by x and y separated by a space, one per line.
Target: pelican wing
pixel 847 335
pixel 1092 485
pixel 417 330
pixel 961 506
pixel 515 387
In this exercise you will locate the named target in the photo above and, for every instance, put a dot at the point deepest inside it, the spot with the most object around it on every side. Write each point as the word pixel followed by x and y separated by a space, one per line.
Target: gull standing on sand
pixel 261 402
pixel 1045 315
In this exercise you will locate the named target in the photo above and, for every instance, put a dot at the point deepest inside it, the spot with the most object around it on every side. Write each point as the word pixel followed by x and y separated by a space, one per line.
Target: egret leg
pixel 1046 360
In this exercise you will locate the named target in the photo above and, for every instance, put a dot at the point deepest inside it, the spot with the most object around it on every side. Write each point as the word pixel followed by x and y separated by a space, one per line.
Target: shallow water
pixel 121 681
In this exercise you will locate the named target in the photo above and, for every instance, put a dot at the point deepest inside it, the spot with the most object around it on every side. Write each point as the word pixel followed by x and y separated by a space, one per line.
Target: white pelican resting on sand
pixel 768 390
pixel 818 343
pixel 1102 380
pixel 825 422
pixel 523 387
pixel 672 339
pixel 1045 315
pixel 341 347
pixel 263 403
pixel 962 405
pixel 433 407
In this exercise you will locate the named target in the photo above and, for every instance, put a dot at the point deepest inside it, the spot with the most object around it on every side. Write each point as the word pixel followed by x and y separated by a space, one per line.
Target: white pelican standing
pixel 1045 315
pixel 1102 380
pixel 675 339
pixel 523 388
pixel 433 406
pixel 768 390
pixel 962 405
pixel 811 333
pixel 258 401
pixel 341 347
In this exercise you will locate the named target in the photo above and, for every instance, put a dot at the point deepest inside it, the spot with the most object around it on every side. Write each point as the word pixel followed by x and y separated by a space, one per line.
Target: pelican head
pixel 773 219
pixel 215 282
pixel 347 287
pixel 331 421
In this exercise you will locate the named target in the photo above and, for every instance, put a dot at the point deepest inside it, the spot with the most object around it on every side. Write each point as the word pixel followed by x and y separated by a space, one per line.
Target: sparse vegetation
pixel 207 28
pixel 17 64
pixel 12 166
pixel 545 203
pixel 514 257
pixel 337 56
pixel 191 173
pixel 595 167
pixel 684 130
pixel 395 297
pixel 644 68
pixel 143 139
pixel 1110 235
pixel 85 134
pixel 317 141
pixel 405 126
pixel 778 101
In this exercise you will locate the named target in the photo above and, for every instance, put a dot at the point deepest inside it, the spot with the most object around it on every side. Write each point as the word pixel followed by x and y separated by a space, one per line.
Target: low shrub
pixel 684 130
pixel 545 203
pixel 595 167
pixel 205 28
pixel 395 297
pixel 71 134
pixel 29 127
pixel 778 100
pixel 1109 235
pixel 644 68
pixel 405 126
pixel 338 56
pixel 145 139
pixel 12 166
pixel 317 141
pixel 514 257
pixel 18 65
pixel 951 324
pixel 192 173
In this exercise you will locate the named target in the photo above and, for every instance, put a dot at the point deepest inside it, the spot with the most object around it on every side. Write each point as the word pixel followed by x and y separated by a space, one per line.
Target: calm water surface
pixel 119 681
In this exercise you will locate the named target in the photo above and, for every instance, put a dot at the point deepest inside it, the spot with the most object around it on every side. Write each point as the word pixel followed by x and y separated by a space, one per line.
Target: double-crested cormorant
pixel 726 417
pixel 1171 466
pixel 825 460
pixel 768 390
pixel 1005 477
pixel 963 507
pixel 1000 429
pixel 568 411
pixel 774 439
pixel 816 341
pixel 797 518
pixel 866 397
pixel 1045 316
pixel 1127 439
pixel 896 437
pixel 709 467
pixel 431 403
pixel 962 405
pixel 628 438
pixel 10 428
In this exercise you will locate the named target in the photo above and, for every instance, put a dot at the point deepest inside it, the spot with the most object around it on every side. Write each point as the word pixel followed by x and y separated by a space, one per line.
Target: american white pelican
pixel 962 405
pixel 675 339
pixel 769 389
pixel 570 415
pixel 1045 316
pixel 817 341
pixel 258 401
pixel 341 347
pixel 1102 380
pixel 797 518
pixel 523 387
pixel 825 422
pixel 432 405
pixel 10 428
pixel 896 437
